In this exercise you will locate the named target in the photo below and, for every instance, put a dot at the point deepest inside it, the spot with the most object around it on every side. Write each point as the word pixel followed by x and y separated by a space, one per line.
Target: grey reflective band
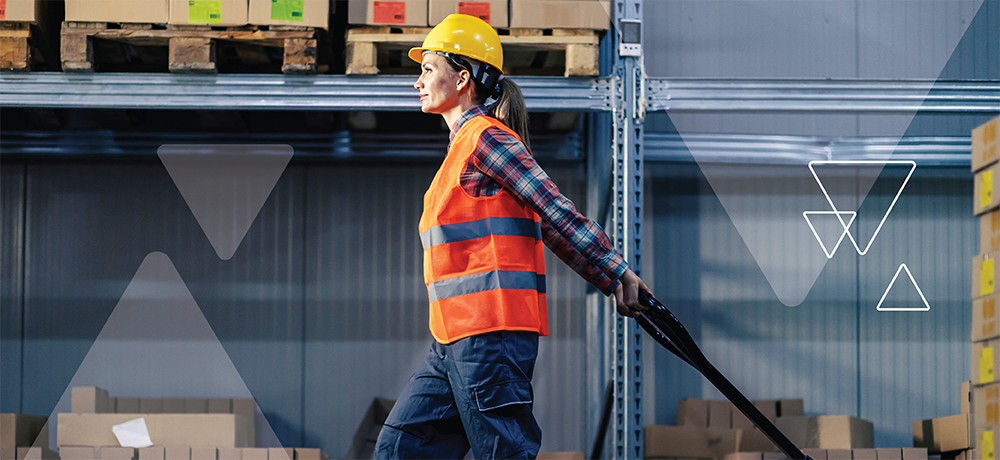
pixel 487 281
pixel 508 226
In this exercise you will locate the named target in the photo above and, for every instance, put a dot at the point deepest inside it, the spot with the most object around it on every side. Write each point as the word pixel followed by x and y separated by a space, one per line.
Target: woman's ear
pixel 464 79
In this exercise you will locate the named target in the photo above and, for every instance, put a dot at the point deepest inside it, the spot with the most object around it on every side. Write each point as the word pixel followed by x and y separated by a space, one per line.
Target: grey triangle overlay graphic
pixel 158 343
pixel 783 254
pixel 225 185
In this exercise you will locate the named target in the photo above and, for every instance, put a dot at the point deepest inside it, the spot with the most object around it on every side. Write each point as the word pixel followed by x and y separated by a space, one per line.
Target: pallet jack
pixel 664 327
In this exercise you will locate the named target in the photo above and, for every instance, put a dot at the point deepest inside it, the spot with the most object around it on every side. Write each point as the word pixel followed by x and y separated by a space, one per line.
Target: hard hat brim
pixel 417 54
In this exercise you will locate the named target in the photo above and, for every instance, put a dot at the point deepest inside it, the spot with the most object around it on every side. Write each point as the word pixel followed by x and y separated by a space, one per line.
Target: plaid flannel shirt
pixel 501 162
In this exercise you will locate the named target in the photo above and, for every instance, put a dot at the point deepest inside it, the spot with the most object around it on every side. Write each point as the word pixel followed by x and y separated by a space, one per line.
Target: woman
pixel 486 215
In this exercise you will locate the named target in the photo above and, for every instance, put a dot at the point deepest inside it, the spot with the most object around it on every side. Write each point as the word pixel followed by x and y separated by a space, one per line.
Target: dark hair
pixel 509 107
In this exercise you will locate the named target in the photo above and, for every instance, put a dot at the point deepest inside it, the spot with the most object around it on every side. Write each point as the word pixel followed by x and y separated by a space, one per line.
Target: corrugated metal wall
pixel 834 350
pixel 321 309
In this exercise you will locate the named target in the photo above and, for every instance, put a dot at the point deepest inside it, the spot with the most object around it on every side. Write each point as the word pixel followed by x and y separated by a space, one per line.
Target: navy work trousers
pixel 474 392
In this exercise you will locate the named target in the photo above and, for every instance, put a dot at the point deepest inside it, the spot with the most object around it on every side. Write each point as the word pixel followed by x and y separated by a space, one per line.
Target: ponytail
pixel 511 111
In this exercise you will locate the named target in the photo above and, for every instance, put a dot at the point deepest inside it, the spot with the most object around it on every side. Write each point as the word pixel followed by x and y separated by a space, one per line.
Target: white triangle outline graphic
pixel 902 267
pixel 177 291
pixel 829 254
pixel 913 167
pixel 225 185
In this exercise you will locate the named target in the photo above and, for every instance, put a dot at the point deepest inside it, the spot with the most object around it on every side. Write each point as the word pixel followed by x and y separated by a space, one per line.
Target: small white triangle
pixel 225 185
pixel 158 343
pixel 902 267
pixel 829 253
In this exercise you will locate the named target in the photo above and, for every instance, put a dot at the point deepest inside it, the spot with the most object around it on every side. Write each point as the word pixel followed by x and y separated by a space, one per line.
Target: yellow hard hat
pixel 466 36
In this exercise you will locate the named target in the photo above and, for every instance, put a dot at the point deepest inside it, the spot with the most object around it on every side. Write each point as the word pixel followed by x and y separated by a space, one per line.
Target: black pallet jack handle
pixel 664 327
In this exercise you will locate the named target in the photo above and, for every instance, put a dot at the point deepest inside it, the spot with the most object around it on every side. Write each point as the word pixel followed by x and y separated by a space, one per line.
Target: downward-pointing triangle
pixel 830 226
pixel 158 343
pixel 225 185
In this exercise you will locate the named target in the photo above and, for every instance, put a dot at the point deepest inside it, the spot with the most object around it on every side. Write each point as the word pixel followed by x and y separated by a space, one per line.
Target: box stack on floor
pixel 23 437
pixel 951 436
pixel 717 429
pixel 179 428
pixel 985 334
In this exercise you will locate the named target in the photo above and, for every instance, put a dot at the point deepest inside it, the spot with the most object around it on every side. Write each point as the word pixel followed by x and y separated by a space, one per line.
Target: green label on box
pixel 204 11
pixel 287 10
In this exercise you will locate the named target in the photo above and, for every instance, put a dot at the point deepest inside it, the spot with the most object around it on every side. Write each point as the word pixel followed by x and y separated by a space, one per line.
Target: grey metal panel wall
pixel 366 305
pixel 11 286
pixel 91 225
pixel 912 363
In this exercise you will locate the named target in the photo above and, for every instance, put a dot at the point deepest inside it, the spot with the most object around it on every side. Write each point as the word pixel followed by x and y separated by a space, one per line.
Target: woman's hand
pixel 627 294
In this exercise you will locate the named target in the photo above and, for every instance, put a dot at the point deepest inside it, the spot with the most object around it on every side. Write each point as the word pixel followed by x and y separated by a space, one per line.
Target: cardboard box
pixel 116 453
pixel 816 454
pixel 985 359
pixel 281 453
pixel 35 453
pixel 246 408
pixel 971 454
pixel 864 454
pixel 78 453
pixel 411 13
pixel 754 440
pixel 720 415
pixel 204 453
pixel 984 271
pixel 169 430
pixel 174 406
pixel 314 454
pixel 177 453
pixel 22 11
pixel 196 406
pixel 560 14
pixel 966 397
pixel 989 231
pixel 306 13
pixel 152 453
pixel 688 442
pixel 828 431
pixel 151 11
pixel 367 433
pixel 744 456
pixel 256 453
pixel 984 318
pixel 150 405
pixel 914 453
pixel 887 453
pixel 692 412
pixel 213 12
pixel 943 434
pixel 986 440
pixel 791 408
pixel 19 430
pixel 768 407
pixel 126 405
pixel 986 403
pixel 220 406
pixel 838 454
pixel 494 12
pixel 226 453
pixel 740 421
pixel 985 185
pixel 90 400
pixel 984 144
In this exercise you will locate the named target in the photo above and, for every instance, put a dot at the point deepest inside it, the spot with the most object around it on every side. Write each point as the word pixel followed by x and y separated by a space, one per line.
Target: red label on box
pixel 390 13
pixel 480 10
pixel 3 9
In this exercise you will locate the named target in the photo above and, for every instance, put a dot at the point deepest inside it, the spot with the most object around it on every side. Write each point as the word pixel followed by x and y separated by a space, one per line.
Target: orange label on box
pixel 991 413
pixel 480 10
pixel 989 133
pixel 389 13
pixel 995 221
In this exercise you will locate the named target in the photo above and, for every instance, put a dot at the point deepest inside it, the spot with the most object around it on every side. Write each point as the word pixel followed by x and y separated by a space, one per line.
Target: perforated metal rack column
pixel 629 108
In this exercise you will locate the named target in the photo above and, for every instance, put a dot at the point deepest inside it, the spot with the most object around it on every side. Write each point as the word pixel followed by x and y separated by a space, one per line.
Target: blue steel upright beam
pixel 629 109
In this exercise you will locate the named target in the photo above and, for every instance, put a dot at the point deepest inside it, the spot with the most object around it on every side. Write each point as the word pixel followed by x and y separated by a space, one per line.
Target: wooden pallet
pixel 526 51
pixel 15 51
pixel 191 49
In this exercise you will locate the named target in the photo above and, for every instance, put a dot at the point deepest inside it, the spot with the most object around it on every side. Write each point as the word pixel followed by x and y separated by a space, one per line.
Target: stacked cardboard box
pixel 501 14
pixel 19 432
pixel 985 335
pixel 306 13
pixel 947 435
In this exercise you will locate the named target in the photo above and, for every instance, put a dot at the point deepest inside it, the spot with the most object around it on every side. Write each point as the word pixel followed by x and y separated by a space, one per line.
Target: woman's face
pixel 438 84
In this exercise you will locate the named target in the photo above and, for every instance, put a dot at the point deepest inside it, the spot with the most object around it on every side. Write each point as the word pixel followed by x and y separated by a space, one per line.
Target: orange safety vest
pixel 484 263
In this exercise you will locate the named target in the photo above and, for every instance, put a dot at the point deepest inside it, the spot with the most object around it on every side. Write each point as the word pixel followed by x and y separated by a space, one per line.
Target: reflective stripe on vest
pixel 484 262
pixel 452 233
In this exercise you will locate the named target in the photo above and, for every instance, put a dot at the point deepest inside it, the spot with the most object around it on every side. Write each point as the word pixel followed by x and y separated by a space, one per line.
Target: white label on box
pixel 133 433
